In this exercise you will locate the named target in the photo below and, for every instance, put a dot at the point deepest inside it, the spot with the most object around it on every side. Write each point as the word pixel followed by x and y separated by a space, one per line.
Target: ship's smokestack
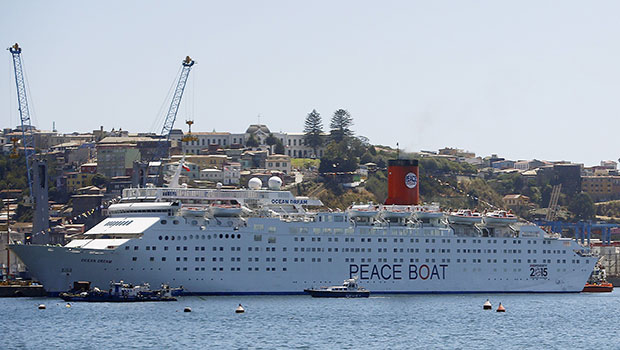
pixel 403 184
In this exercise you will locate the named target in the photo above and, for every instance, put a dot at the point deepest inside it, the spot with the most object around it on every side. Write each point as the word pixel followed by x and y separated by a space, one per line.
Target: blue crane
pixel 171 116
pixel 24 112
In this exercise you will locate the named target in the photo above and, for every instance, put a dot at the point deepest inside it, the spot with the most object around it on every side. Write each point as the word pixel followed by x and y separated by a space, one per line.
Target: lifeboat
pixel 597 283
pixel 500 217
pixel 226 209
pixel 193 211
pixel 596 287
pixel 425 213
pixel 465 216
pixel 363 210
pixel 396 211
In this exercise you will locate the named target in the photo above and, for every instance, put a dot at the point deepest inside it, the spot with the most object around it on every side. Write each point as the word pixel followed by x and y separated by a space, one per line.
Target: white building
pixel 229 175
pixel 294 143
pixel 279 162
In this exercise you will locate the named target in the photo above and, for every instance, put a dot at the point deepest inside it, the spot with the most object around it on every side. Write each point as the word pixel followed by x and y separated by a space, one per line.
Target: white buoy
pixel 239 309
pixel 41 306
pixel 487 305
pixel 187 309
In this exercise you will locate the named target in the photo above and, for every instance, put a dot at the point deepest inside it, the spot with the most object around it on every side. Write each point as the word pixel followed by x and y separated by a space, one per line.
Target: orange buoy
pixel 501 308
pixel 487 305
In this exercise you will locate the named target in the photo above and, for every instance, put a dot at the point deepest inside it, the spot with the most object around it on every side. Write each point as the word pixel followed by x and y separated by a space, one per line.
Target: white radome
pixel 275 183
pixel 255 183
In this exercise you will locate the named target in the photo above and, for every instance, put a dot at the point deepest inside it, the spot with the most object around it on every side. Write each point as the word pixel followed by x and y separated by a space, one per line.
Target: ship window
pixel 126 247
pixel 176 222
pixel 179 258
pixel 260 238
pixel 172 238
pixel 166 238
pixel 184 248
pixel 163 258
pixel 160 238
pixel 148 248
pixel 134 259
pixel 135 248
pixel 163 222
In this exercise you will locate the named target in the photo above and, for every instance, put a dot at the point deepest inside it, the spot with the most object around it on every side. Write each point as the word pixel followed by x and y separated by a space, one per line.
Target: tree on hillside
pixel 582 207
pixel 313 130
pixel 251 142
pixel 270 141
pixel 279 149
pixel 341 126
pixel 99 181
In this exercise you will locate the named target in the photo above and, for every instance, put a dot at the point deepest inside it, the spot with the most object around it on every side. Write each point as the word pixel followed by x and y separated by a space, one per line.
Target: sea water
pixel 531 321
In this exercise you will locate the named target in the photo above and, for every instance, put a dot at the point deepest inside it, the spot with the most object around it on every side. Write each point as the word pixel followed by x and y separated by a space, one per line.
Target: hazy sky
pixel 523 79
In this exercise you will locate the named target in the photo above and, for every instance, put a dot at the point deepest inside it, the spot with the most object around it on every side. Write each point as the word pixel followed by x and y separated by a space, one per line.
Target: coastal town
pixel 88 171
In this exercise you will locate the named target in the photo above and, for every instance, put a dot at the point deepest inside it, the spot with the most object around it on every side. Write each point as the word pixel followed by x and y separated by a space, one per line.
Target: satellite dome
pixel 255 183
pixel 275 183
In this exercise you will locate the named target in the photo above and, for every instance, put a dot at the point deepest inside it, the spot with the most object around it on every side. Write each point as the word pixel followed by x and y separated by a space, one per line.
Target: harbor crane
pixel 144 173
pixel 36 170
pixel 171 116
pixel 24 112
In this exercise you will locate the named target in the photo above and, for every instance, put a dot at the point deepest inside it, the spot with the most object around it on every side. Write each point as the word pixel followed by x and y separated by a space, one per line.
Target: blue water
pixel 532 321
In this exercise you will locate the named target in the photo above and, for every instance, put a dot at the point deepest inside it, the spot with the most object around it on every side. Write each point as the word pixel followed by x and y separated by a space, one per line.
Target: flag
pixel 185 167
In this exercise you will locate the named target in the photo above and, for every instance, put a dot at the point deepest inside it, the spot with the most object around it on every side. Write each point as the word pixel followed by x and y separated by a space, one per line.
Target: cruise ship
pixel 265 240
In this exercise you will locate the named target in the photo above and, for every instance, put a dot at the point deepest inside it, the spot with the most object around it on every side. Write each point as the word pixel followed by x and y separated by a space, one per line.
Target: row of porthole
pixel 163 222
pixel 178 238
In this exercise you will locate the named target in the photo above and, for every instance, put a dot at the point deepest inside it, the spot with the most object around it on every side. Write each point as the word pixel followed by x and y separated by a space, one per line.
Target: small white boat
pixel 465 216
pixel 363 210
pixel 349 289
pixel 500 217
pixel 396 211
pixel 225 209
pixel 425 213
pixel 194 211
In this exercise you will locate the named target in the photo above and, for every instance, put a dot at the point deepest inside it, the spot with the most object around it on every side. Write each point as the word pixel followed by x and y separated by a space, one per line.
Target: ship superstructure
pixel 265 241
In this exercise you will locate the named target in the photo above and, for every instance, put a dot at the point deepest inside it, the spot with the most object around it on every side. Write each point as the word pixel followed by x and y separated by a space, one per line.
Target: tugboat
pixel 119 292
pixel 597 283
pixel 349 289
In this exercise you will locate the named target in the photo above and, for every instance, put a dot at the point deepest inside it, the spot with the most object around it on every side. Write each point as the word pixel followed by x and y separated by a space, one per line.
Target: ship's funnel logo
pixel 411 180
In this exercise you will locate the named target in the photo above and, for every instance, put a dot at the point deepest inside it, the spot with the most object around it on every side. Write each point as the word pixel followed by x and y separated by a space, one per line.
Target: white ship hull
pixel 273 256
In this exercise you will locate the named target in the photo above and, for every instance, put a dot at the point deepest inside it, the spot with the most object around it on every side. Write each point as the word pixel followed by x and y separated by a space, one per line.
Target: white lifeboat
pixel 500 217
pixel 363 210
pixel 396 211
pixel 465 216
pixel 226 209
pixel 193 211
pixel 426 213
